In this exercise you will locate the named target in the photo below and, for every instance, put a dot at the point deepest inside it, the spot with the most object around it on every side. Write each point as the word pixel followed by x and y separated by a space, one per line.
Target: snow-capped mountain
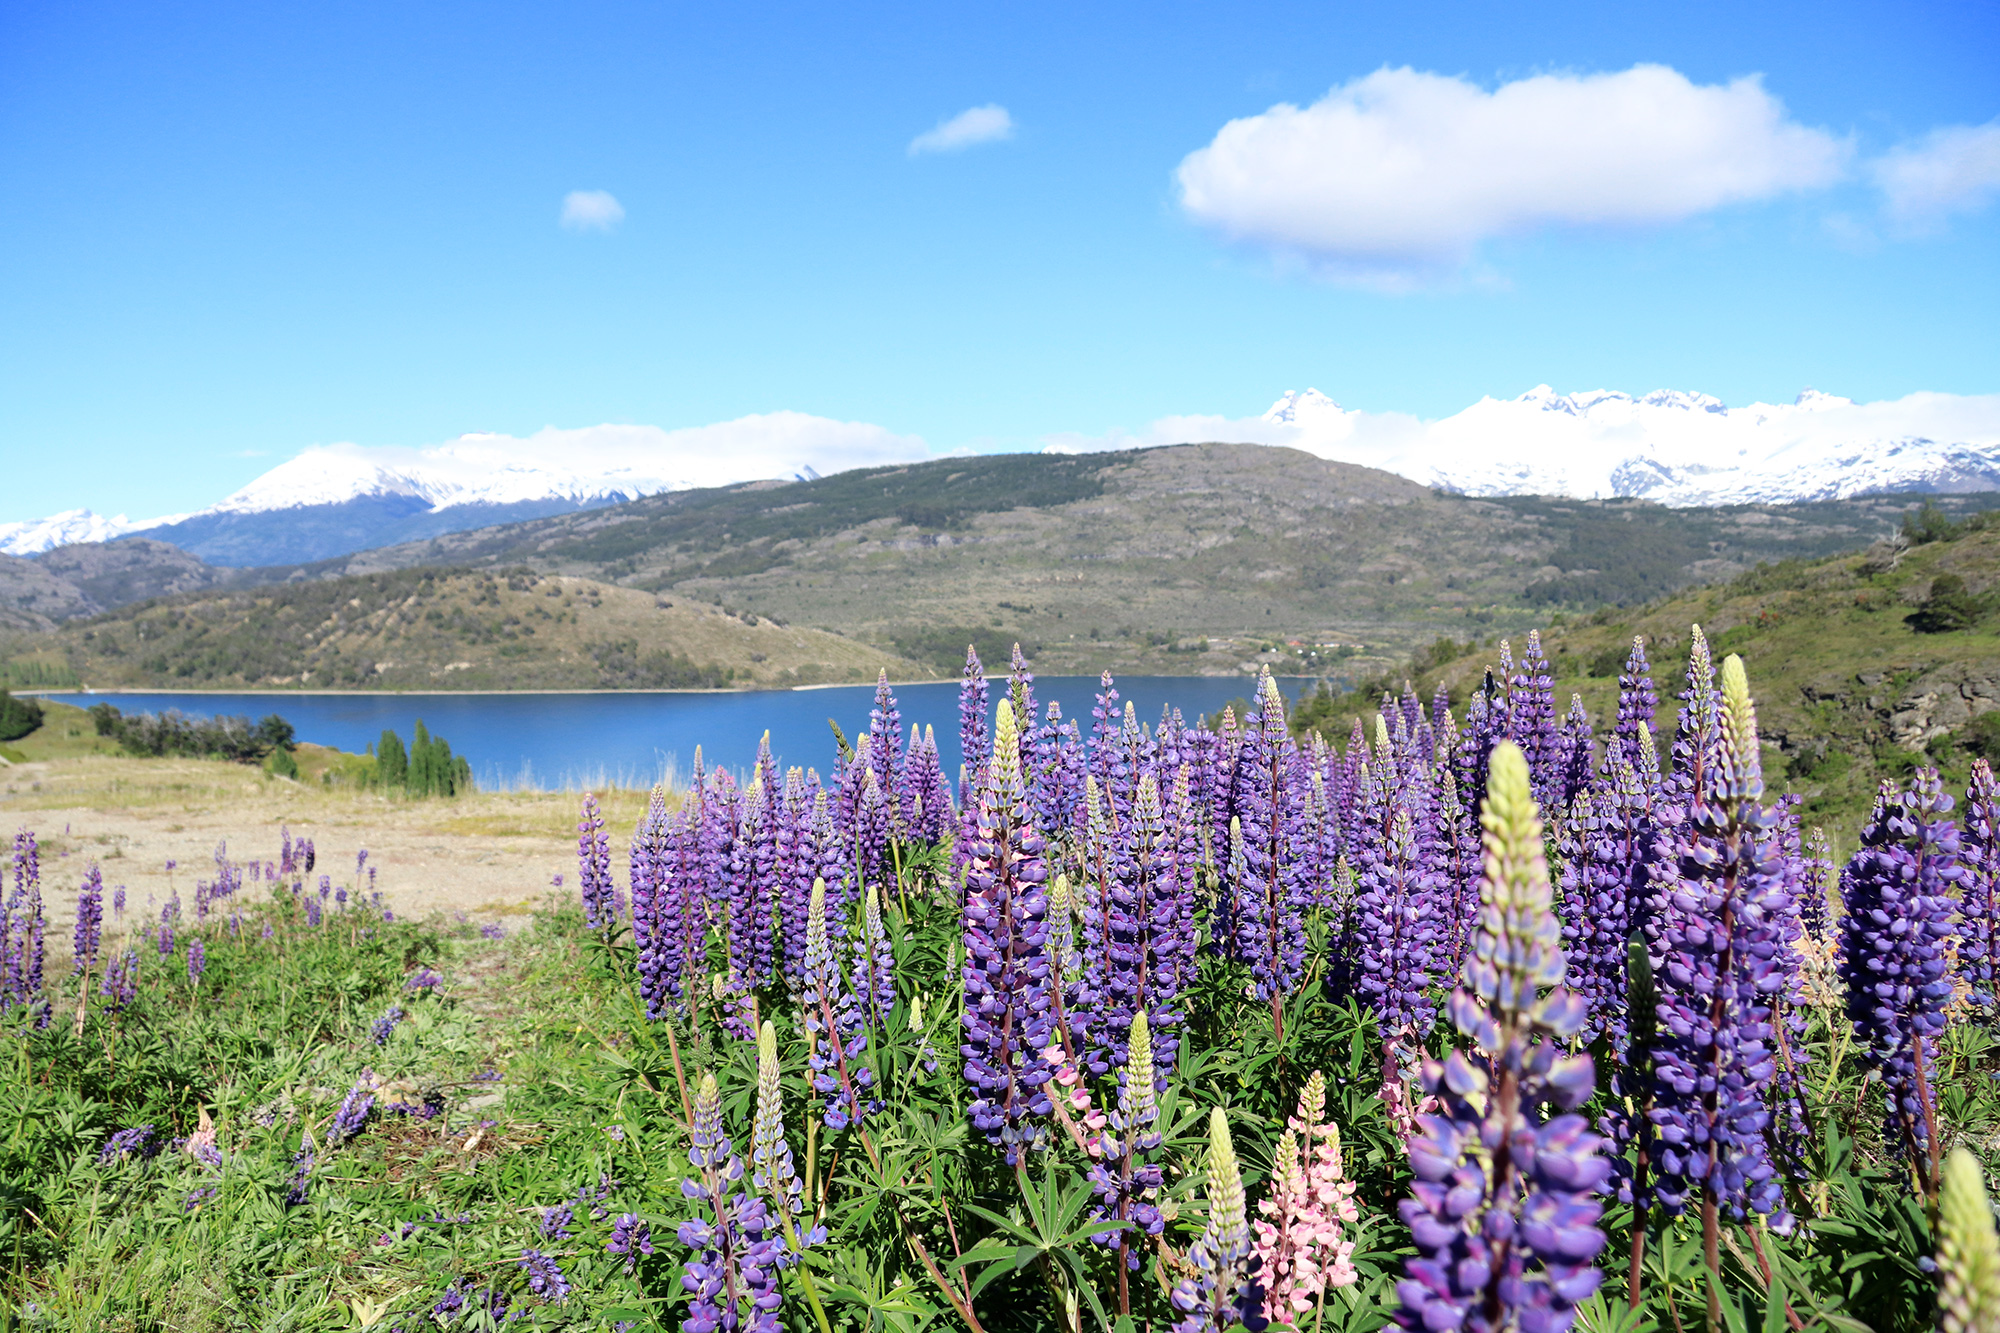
pixel 1673 447
pixel 331 501
pixel 67 529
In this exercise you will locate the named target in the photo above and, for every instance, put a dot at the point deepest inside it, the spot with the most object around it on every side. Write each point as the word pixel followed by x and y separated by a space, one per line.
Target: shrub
pixel 18 717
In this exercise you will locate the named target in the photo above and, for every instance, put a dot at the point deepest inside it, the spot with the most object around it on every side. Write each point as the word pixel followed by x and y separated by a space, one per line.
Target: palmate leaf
pixel 1050 1229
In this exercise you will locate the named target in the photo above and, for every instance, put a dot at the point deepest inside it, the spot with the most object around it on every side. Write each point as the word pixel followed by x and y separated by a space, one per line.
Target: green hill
pixel 1191 558
pixel 432 628
pixel 1862 665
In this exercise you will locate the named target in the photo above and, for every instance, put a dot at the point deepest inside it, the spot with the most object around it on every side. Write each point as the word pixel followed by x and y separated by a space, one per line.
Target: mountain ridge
pixel 1678 447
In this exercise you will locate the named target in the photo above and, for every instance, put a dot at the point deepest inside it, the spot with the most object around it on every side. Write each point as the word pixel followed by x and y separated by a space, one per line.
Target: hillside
pixel 1848 688
pixel 91 578
pixel 1193 558
pixel 440 629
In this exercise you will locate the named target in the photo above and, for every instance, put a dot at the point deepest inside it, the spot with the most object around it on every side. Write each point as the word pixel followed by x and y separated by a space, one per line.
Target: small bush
pixel 18 717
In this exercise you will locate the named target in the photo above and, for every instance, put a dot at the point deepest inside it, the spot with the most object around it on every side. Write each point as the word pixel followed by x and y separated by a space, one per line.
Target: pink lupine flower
pixel 1300 1243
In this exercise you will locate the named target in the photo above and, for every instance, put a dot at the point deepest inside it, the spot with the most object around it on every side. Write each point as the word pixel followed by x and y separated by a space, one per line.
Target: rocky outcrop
pixel 1943 700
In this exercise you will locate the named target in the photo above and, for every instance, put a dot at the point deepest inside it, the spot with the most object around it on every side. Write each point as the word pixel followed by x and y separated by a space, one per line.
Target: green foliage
pixel 157 735
pixel 943 646
pixel 282 764
pixel 622 664
pixel 1928 523
pixel 18 717
pixel 1982 736
pixel 427 768
pixel 1947 607
pixel 36 673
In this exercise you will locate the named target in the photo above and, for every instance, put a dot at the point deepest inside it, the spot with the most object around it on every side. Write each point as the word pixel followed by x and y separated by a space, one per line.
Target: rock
pixel 1942 701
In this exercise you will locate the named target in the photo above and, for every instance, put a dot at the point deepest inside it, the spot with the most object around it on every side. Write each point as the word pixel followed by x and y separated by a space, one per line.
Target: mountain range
pixel 1675 448
pixel 1188 558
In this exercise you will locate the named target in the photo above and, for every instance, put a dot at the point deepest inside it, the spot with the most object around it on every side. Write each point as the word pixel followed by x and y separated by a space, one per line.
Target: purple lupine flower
pixel 556 1222
pixel 492 930
pixel 885 748
pixel 1126 1180
pixel 1502 1209
pixel 874 969
pixel 545 1279
pixel 139 1141
pixel 1142 929
pixel 197 961
pixel 297 1192
pixel 1638 701
pixel 973 746
pixel 1607 865
pixel 1721 932
pixel 1455 854
pixel 1269 927
pixel 166 939
pixel 21 927
pixel 593 858
pixel 743 894
pixel 121 980
pixel 1576 757
pixel 306 858
pixel 1020 692
pixel 385 1026
pixel 1698 730
pixel 733 1275
pixel 1900 900
pixel 926 796
pixel 630 1238
pixel 354 1108
pixel 1007 1020
pixel 1397 920
pixel 424 978
pixel 1055 768
pixel 313 913
pixel 653 932
pixel 118 901
pixel 1979 935
pixel 89 934
pixel 1531 718
pixel 833 1023
pixel 325 887
pixel 1109 762
pixel 1816 888
pixel 795 870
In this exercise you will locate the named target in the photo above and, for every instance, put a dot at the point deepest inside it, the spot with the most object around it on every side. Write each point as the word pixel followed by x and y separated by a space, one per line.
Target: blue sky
pixel 230 233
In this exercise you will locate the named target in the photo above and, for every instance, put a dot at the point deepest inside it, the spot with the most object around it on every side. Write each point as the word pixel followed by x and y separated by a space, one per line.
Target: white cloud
pixel 979 124
pixel 1401 174
pixel 591 210
pixel 1953 169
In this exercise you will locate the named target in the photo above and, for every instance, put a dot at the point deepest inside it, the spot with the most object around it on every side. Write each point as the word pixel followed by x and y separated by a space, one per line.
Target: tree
pixel 392 764
pixel 1948 607
pixel 18 717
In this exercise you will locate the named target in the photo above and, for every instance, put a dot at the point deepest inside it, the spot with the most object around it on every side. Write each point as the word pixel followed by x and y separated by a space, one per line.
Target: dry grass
pixel 487 854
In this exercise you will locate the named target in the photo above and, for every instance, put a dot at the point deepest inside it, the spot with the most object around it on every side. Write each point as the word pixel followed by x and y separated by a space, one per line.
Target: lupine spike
pixel 1502 1211
pixel 1968 1251
pixel 1227 1288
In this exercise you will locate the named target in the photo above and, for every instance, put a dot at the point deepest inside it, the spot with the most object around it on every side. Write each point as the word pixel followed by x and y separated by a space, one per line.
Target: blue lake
pixel 573 741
